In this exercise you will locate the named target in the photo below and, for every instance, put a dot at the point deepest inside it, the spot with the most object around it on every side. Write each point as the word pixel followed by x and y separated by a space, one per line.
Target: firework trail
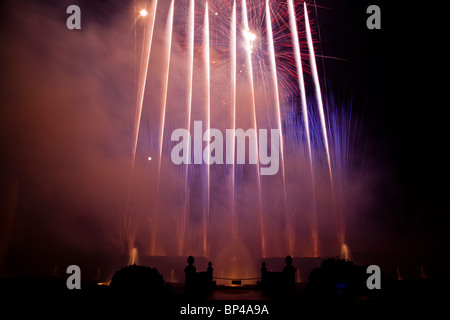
pixel 169 29
pixel 208 127
pixel 143 80
pixel 342 128
pixel 289 223
pixel 233 107
pixel 140 102
pixel 322 117
pixel 248 36
pixel 317 89
pixel 301 83
pixel 190 72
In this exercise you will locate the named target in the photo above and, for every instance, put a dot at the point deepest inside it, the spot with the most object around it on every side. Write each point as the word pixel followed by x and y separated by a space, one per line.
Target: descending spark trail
pixel 233 103
pixel 250 72
pixel 289 221
pixel 317 88
pixel 301 83
pixel 322 117
pixel 139 106
pixel 189 112
pixel 208 127
pixel 169 29
pixel 144 79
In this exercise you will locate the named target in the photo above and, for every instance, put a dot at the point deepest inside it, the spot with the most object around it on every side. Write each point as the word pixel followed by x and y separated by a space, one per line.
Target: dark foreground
pixel 50 296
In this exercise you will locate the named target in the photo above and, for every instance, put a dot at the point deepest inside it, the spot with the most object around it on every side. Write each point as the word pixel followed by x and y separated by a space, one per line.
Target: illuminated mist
pixel 90 150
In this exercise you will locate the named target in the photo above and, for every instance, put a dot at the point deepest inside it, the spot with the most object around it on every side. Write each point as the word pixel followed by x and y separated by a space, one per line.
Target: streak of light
pixel 169 33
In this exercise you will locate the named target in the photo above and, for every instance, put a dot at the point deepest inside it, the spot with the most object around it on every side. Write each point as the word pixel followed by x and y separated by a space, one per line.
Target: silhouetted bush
pixel 337 280
pixel 139 279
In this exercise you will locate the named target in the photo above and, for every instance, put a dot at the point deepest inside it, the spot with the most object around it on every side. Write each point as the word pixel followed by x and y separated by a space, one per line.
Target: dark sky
pixel 392 78
pixel 50 78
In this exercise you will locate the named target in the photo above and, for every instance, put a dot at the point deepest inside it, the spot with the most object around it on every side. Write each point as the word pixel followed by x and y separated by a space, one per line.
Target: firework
pixel 243 62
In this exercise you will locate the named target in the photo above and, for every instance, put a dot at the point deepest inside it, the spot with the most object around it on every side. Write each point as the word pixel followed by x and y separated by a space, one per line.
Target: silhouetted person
pixel 190 268
pixel 289 269
pixel 263 275
pixel 210 268
pixel 189 272
pixel 209 271
pixel 198 283
pixel 263 268
pixel 289 274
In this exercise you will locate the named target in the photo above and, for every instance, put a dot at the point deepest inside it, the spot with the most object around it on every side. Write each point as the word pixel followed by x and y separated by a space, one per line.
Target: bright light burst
pixel 252 39
pixel 249 35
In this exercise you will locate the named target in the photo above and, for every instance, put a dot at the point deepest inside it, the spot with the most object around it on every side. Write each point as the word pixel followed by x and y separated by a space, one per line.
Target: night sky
pixel 63 126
